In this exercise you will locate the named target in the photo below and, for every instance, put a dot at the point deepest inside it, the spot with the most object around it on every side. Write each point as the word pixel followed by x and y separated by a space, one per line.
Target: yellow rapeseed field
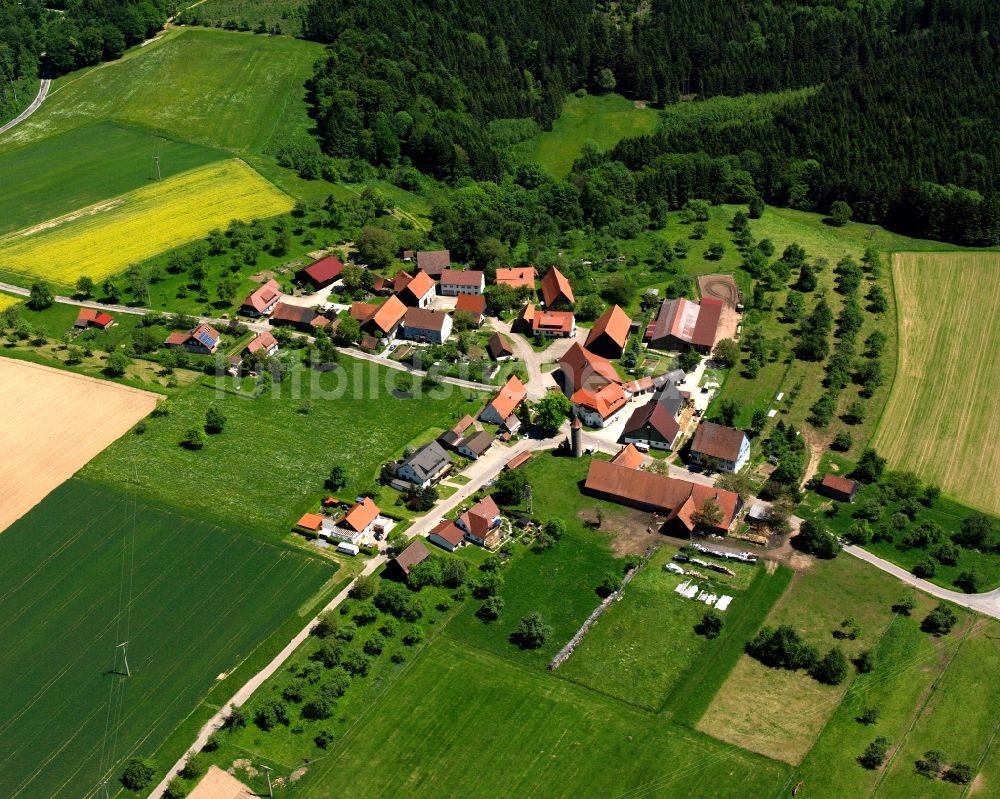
pixel 104 239
pixel 6 301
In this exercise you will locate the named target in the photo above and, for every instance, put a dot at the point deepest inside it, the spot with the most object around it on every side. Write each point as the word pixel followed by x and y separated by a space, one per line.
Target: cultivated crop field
pixel 237 91
pixel 55 422
pixel 534 735
pixel 76 169
pixel 91 567
pixel 105 238
pixel 7 301
pixel 944 409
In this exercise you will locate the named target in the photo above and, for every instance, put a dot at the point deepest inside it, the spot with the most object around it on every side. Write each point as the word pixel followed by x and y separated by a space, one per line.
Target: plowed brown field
pixel 53 422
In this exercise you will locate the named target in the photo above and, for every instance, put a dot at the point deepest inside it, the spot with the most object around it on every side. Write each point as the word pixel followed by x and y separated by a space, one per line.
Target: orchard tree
pixel 337 478
pixel 41 296
pixel 85 287
pixel 726 352
pixel 531 632
pixel 215 420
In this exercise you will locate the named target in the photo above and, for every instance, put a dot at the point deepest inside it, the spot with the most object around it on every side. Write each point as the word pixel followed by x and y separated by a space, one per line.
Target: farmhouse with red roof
pixel 203 340
pixel 556 289
pixel 91 317
pixel 262 300
pixel 321 273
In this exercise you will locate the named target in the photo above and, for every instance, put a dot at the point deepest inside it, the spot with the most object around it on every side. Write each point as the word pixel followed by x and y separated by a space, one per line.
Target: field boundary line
pixel 931 691
pixel 899 335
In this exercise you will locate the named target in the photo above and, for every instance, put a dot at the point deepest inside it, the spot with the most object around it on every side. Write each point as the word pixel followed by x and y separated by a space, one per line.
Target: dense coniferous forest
pixel 904 125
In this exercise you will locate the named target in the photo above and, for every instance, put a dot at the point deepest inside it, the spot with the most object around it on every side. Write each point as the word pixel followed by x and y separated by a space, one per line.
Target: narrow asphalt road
pixel 43 90
pixel 988 603
pixel 480 473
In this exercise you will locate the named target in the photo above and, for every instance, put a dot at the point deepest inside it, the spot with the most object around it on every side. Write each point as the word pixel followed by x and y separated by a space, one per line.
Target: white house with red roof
pixel 461 281
pixel 481 523
pixel 501 408
pixel 262 300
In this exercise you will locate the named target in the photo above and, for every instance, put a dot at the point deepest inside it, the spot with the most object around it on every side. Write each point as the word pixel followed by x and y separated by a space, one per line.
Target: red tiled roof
pixel 325 269
pixel 509 397
pixel 261 342
pixel 556 287
pixel 388 314
pixel 362 310
pixel 283 312
pixel 500 346
pixel 678 498
pixel 263 296
pixel 433 262
pixel 419 286
pixel 415 553
pixel 717 441
pixel 629 457
pixel 479 517
pixel 474 304
pixel 613 323
pixel 310 521
pixel 561 321
pixel 516 277
pixel 361 515
pixel 838 483
pixel 658 417
pixel 518 460
pixel 607 400
pixel 461 277
pixel 677 318
pixel 708 322
pixel 583 364
pixel 401 281
pixel 450 532
pixel 176 339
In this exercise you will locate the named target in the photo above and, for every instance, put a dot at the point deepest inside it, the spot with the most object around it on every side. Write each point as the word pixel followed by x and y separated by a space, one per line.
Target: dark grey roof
pixel 670 398
pixel 428 460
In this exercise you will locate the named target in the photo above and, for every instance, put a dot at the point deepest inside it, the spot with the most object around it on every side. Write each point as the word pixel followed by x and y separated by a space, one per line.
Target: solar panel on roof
pixel 206 339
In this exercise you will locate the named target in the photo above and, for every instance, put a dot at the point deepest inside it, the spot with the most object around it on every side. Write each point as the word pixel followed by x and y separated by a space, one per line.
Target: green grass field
pixel 780 713
pixel 943 404
pixel 268 466
pixel 560 582
pixel 90 567
pixel 218 13
pixel 600 120
pixel 649 636
pixel 83 166
pixel 217 88
pixel 532 735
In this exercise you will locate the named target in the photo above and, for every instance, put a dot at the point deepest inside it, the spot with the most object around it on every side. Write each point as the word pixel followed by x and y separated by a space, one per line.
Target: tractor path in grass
pixel 43 90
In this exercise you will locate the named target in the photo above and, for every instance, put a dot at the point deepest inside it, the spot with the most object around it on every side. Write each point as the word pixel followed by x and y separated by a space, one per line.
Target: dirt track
pixel 53 422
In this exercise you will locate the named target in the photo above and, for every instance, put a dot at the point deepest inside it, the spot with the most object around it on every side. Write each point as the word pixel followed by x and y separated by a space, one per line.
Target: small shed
pixel 838 488
pixel 758 515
